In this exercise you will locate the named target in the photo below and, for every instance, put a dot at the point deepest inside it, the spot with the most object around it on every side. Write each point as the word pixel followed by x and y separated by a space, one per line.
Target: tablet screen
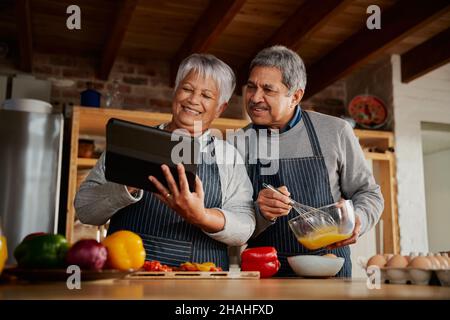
pixel 134 152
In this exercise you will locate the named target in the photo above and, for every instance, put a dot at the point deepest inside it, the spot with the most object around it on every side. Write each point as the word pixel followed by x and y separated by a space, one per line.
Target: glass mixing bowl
pixel 314 229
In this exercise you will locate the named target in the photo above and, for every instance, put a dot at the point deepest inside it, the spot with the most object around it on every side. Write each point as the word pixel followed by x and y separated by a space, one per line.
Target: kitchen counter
pixel 222 289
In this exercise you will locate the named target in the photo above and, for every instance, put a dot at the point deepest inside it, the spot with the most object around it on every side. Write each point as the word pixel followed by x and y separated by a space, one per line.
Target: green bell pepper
pixel 42 251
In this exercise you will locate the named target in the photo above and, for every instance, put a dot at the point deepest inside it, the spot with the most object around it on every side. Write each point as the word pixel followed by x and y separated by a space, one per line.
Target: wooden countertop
pixel 221 289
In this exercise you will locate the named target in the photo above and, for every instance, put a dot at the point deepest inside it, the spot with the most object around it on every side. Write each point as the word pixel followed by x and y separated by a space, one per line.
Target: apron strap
pixel 315 145
pixel 208 145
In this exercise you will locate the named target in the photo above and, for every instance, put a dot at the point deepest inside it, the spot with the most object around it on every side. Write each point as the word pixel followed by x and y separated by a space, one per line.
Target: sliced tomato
pixel 215 269
pixel 155 266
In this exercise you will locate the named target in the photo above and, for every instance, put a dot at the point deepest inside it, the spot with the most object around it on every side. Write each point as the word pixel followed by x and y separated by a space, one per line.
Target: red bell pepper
pixel 262 259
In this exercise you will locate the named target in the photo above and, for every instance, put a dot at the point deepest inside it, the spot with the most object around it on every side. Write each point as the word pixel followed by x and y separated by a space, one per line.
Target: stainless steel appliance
pixel 30 168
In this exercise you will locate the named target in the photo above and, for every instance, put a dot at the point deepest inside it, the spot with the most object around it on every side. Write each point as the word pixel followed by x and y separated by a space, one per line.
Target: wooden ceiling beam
pixel 111 49
pixel 210 25
pixel 426 57
pixel 24 35
pixel 309 17
pixel 399 21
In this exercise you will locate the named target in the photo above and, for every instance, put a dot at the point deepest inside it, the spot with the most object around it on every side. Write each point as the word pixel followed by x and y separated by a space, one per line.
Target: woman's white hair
pixel 207 65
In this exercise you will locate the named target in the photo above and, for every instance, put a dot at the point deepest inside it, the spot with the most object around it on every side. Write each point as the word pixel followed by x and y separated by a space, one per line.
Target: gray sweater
pixel 348 171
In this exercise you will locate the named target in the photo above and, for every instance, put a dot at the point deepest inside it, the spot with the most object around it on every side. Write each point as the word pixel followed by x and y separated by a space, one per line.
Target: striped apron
pixel 308 182
pixel 167 237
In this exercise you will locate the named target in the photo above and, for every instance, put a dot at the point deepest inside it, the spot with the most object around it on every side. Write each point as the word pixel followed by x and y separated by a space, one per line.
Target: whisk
pixel 308 212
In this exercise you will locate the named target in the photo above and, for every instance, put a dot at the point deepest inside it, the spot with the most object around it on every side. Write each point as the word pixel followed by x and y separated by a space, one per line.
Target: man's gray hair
pixel 287 61
pixel 207 65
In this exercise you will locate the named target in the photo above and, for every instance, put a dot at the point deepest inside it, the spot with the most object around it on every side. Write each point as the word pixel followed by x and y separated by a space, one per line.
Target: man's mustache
pixel 253 105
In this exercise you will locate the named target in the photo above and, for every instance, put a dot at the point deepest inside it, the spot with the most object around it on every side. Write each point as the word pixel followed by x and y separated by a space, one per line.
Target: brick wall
pixel 331 100
pixel 374 80
pixel 144 84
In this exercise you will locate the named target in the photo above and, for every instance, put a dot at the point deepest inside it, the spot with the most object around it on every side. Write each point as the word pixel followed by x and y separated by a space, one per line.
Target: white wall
pixel 365 247
pixel 437 186
pixel 424 99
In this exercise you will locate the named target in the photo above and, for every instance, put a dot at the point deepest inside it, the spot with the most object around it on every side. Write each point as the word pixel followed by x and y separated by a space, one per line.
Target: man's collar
pixel 294 120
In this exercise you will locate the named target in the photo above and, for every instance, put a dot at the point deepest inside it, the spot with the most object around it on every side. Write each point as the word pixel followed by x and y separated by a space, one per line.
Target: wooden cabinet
pixel 92 121
pixel 384 170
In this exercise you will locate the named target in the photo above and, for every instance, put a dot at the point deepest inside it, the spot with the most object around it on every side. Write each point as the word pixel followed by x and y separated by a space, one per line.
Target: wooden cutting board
pixel 143 275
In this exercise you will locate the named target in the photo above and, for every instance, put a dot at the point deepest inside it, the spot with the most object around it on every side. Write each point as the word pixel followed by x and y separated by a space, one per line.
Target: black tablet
pixel 135 151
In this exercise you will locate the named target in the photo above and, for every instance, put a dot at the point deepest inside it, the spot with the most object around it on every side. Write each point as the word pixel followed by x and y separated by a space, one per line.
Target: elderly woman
pixel 177 225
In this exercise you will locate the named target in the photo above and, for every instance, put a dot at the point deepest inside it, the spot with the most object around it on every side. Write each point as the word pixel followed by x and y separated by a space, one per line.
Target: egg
pixel 434 261
pixel 377 260
pixel 411 256
pixel 330 255
pixel 397 261
pixel 445 255
pixel 388 256
pixel 442 261
pixel 421 263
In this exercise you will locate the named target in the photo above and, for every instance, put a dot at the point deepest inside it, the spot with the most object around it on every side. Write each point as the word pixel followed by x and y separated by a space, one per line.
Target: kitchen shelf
pixel 375 139
pixel 384 171
pixel 378 156
pixel 86 162
pixel 92 121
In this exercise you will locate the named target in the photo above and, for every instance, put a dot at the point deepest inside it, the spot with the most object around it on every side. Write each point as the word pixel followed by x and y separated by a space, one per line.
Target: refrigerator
pixel 30 170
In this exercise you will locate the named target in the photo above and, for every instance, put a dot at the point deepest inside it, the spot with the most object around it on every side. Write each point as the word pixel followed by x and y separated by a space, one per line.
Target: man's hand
pixel 351 240
pixel 273 204
pixel 189 205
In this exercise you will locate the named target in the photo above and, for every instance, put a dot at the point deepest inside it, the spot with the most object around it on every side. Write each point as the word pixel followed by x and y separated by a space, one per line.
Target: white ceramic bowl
pixel 315 266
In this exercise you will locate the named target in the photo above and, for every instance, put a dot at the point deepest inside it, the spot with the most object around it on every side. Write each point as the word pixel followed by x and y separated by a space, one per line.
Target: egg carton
pixel 414 276
pixel 419 273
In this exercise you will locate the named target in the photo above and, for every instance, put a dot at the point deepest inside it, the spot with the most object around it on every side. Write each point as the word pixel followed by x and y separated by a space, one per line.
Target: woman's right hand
pixel 189 205
pixel 272 204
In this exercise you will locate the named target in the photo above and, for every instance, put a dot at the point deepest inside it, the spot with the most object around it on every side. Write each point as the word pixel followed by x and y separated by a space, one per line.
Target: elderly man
pixel 320 159
pixel 177 225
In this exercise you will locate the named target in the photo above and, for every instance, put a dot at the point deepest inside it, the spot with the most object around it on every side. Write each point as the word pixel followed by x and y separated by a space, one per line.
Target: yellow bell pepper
pixel 202 267
pixel 125 250
pixel 3 252
pixel 205 266
pixel 193 266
